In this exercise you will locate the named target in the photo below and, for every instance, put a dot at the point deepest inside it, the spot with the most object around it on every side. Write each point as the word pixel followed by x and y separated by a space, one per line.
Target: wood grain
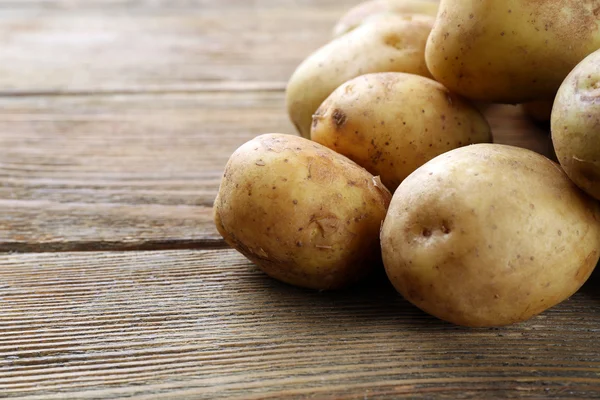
pixel 139 171
pixel 121 172
pixel 207 324
pixel 170 49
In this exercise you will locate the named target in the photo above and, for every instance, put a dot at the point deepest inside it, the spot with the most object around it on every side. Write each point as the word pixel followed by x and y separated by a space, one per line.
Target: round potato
pixel 488 235
pixel 357 15
pixel 303 213
pixel 574 125
pixel 392 123
pixel 384 43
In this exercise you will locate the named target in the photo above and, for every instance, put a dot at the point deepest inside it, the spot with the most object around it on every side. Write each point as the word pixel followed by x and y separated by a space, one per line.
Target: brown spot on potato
pixel 339 118
pixel 445 228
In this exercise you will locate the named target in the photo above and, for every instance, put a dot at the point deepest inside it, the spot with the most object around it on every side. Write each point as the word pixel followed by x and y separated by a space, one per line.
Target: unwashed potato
pixel 575 122
pixel 510 51
pixel 303 213
pixel 391 123
pixel 488 235
pixel 384 43
pixel 357 15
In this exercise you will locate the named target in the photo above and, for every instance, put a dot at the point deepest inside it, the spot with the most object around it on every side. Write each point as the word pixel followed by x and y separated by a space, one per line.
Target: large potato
pixel 510 51
pixel 574 123
pixel 385 43
pixel 357 15
pixel 488 235
pixel 392 123
pixel 303 213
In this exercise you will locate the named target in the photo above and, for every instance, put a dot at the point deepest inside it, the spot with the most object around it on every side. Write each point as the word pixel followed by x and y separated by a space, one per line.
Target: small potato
pixel 574 125
pixel 357 15
pixel 488 235
pixel 384 43
pixel 303 213
pixel 392 123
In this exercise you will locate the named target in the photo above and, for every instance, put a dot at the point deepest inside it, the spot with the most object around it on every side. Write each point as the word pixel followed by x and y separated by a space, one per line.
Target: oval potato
pixel 357 15
pixel 489 235
pixel 510 51
pixel 392 123
pixel 303 213
pixel 385 43
pixel 574 124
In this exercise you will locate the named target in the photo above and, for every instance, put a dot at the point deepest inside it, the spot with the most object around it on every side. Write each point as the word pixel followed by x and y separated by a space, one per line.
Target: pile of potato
pixel 477 234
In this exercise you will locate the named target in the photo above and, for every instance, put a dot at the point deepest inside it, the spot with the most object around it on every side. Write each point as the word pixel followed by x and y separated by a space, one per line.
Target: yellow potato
pixel 510 51
pixel 303 213
pixel 385 43
pixel 488 235
pixel 357 15
pixel 574 124
pixel 391 123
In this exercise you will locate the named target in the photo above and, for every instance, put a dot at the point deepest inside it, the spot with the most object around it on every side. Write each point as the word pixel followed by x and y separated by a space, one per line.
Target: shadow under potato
pixel 374 304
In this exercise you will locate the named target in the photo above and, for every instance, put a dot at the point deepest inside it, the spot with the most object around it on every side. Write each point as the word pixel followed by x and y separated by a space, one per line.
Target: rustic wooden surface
pixel 116 120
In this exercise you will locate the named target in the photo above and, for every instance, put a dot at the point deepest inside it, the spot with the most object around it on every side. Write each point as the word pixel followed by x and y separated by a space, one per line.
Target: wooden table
pixel 116 120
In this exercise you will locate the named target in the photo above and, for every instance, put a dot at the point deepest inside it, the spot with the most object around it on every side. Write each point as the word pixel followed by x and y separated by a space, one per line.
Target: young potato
pixel 489 235
pixel 384 43
pixel 357 15
pixel 574 125
pixel 510 51
pixel 391 123
pixel 301 212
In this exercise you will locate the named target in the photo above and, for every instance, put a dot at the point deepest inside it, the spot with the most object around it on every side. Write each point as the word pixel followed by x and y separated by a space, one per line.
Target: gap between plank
pixel 192 88
pixel 116 246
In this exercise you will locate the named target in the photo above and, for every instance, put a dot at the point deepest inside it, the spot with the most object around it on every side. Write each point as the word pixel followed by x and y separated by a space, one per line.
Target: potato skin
pixel 301 212
pixel 392 123
pixel 574 125
pixel 510 51
pixel 357 15
pixel 489 235
pixel 384 43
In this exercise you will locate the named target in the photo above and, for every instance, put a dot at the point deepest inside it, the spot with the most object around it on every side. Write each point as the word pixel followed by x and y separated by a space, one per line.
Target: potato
pixel 303 213
pixel 488 235
pixel 574 125
pixel 357 15
pixel 385 43
pixel 391 123
pixel 510 51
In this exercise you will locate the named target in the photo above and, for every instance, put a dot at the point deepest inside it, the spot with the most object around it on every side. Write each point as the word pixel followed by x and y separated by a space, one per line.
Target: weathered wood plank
pixel 137 172
pixel 167 50
pixel 207 324
pixel 121 172
pixel 175 4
